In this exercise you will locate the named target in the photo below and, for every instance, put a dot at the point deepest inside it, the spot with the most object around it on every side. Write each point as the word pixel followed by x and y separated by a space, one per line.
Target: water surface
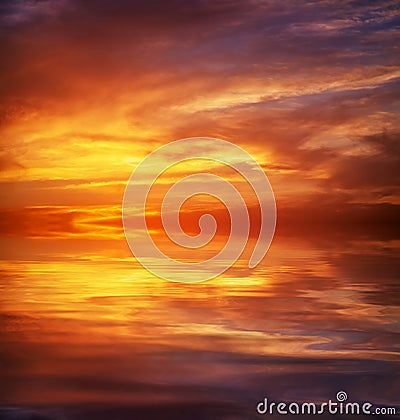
pixel 87 333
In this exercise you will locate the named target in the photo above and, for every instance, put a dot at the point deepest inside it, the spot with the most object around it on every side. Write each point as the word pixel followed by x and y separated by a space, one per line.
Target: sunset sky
pixel 89 88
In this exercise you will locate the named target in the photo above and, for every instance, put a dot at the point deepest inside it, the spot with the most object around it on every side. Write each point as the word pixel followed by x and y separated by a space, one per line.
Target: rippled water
pixel 86 333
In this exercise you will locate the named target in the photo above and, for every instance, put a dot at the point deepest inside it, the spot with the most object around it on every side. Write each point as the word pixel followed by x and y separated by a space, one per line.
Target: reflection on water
pixel 86 333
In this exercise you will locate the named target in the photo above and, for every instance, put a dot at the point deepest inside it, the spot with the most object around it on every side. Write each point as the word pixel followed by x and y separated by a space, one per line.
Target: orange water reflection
pixel 83 323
